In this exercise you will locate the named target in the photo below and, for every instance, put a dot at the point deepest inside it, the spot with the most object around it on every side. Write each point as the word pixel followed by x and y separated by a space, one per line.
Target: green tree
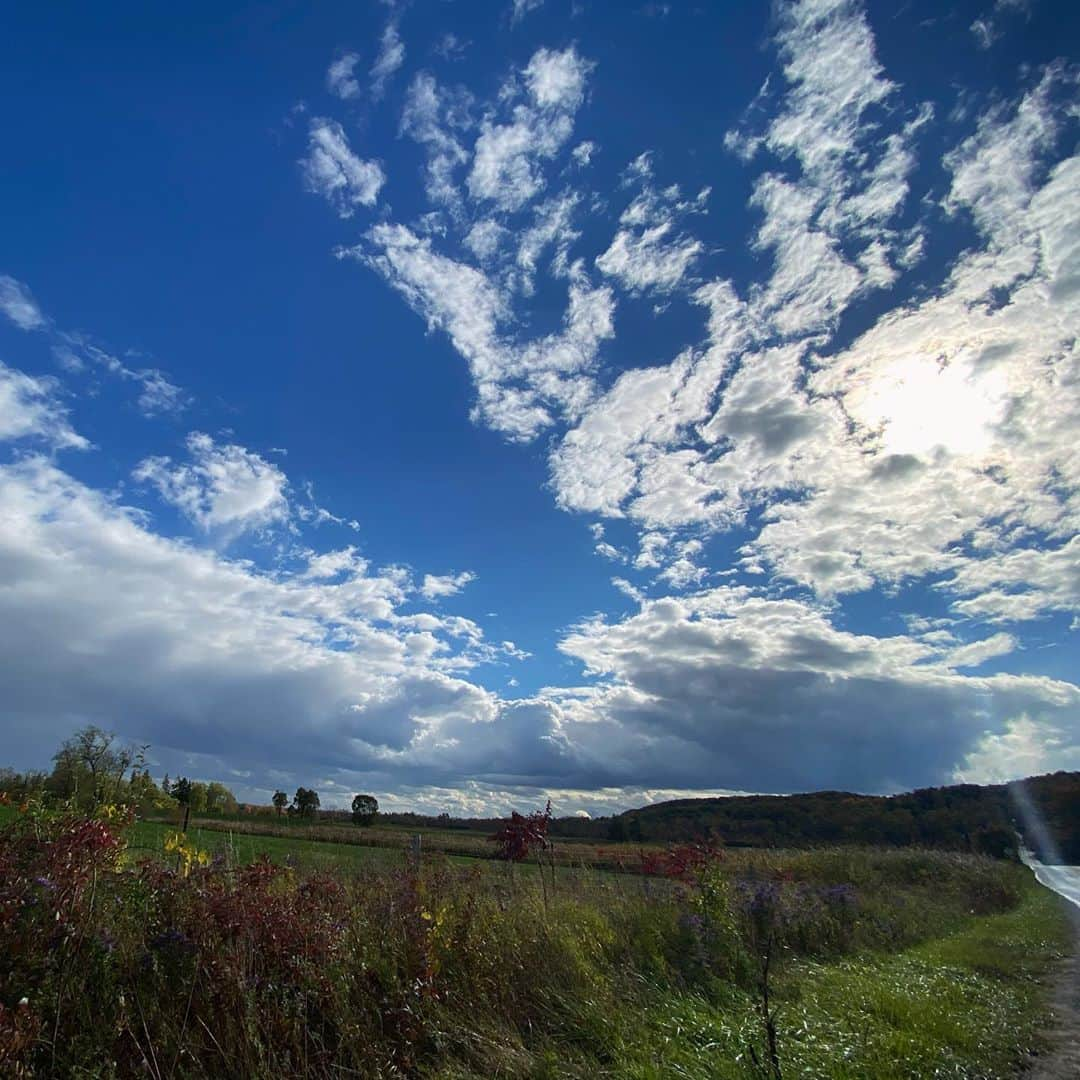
pixel 219 799
pixel 616 833
pixel 306 802
pixel 90 767
pixel 280 801
pixel 198 800
pixel 364 809
pixel 180 790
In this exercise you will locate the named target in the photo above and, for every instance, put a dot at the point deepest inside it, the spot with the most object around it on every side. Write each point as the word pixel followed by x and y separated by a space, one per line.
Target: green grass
pixel 148 838
pixel 968 1005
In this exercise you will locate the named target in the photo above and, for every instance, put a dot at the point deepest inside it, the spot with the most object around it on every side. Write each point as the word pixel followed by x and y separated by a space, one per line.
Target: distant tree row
pixel 94 767
pixel 212 798
pixel 305 803
pixel 959 817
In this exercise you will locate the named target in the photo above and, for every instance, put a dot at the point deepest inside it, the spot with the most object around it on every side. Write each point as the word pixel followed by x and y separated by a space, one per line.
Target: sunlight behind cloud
pixel 922 403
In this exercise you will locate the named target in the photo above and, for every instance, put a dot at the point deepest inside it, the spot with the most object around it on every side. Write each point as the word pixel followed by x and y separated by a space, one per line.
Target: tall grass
pixel 154 968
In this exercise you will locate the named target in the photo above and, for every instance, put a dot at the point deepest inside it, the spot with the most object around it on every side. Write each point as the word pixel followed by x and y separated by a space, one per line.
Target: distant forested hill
pixel 962 817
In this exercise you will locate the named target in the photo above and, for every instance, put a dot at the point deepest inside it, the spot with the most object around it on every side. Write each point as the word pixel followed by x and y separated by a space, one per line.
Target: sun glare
pixel 921 403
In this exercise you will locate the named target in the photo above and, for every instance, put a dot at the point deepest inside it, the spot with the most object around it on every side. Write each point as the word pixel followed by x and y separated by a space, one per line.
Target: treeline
pixel 94 768
pixel 960 817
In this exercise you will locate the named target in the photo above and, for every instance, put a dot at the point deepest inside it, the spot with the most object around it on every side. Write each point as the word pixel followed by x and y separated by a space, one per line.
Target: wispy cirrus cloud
pixel 341 78
pixel 18 304
pixel 390 58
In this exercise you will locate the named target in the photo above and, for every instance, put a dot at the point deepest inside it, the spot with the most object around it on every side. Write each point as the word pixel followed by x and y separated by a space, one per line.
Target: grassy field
pixel 148 838
pixel 344 960
pixel 568 852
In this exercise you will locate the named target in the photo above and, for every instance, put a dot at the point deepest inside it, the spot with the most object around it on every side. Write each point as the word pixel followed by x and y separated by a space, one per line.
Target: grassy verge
pixel 967 1005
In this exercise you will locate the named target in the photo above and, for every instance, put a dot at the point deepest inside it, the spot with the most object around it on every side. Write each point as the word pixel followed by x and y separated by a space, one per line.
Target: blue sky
pixel 474 402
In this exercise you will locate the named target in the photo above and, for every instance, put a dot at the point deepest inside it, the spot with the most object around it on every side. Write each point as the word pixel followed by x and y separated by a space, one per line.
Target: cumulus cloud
pixel 936 442
pixel 732 689
pixel 199 654
pixel 224 487
pixel 436 586
pixel 319 674
pixel 332 170
pixel 19 305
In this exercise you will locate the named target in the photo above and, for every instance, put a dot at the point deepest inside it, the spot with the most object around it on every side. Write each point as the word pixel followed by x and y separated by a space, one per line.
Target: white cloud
pixel 107 622
pixel 451 47
pixel 931 443
pixel 29 408
pixel 331 564
pixel 332 170
pixel 522 8
pixel 224 488
pixel 158 394
pixel 517 384
pixel 651 259
pixel 1026 747
pixel 391 57
pixel 437 118
pixel 553 227
pixel 556 79
pixel 937 442
pixel 978 652
pixel 341 78
pixel 507 157
pixel 437 586
pixel 729 689
pixel 987 28
pixel 834 75
pixel 583 152
pixel 318 674
pixel 648 252
pixel 19 305
pixel 485 238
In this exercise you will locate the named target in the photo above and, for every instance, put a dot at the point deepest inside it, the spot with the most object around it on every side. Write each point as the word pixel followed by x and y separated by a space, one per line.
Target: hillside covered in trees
pixel 959 817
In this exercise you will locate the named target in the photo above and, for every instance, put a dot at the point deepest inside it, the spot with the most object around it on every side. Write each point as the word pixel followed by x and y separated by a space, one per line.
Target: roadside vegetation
pixel 186 963
pixel 139 938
